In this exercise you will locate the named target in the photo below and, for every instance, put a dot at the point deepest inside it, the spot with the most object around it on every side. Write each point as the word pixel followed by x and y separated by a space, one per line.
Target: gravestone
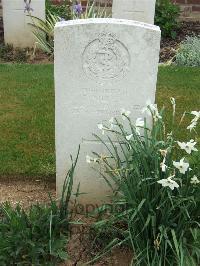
pixel 101 65
pixel 139 10
pixel 16 29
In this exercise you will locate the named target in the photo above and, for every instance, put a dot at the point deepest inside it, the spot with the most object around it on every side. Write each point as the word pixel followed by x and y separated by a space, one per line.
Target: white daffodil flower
pixel 129 136
pixel 181 166
pixel 172 99
pixel 89 159
pixel 163 167
pixel 194 180
pixel 187 146
pixel 194 120
pixel 168 182
pixel 156 115
pixel 163 152
pixel 101 127
pixel 125 113
pixel 192 126
pixel 111 122
pixel 173 102
pixel 151 109
pixel 196 114
pixel 138 124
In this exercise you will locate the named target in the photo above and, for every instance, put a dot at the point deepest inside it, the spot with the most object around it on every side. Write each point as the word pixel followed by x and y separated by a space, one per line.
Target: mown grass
pixel 27 113
pixel 27 120
pixel 182 83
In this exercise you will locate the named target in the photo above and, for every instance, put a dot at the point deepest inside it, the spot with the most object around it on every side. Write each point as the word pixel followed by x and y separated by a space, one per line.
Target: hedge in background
pixel 166 17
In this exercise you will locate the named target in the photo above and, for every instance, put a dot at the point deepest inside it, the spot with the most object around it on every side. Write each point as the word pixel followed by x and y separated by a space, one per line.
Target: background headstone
pixel 16 29
pixel 101 65
pixel 139 10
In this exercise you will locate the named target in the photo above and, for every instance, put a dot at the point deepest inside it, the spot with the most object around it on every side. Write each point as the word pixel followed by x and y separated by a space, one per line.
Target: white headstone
pixel 101 65
pixel 139 10
pixel 16 29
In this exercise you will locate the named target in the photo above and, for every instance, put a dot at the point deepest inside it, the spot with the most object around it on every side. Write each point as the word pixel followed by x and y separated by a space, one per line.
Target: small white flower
pixel 101 127
pixel 196 114
pixel 156 116
pixel 163 166
pixel 111 121
pixel 188 146
pixel 112 124
pixel 168 182
pixel 138 124
pixel 173 101
pixel 173 104
pixel 129 136
pixel 194 180
pixel 89 159
pixel 125 113
pixel 151 109
pixel 192 126
pixel 194 120
pixel 163 152
pixel 181 166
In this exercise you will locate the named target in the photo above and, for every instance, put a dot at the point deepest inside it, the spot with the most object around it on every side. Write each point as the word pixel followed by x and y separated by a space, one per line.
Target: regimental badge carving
pixel 106 58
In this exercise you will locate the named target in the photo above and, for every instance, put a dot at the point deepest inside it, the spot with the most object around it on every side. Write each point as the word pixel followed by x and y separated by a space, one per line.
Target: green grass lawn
pixel 27 113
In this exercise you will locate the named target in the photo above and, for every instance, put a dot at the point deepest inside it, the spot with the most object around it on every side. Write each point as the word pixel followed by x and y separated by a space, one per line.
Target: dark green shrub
pixel 20 55
pixel 10 54
pixel 32 238
pixel 63 10
pixel 6 52
pixel 166 17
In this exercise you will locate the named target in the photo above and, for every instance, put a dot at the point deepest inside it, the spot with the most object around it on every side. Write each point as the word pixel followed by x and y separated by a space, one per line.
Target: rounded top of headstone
pixel 113 21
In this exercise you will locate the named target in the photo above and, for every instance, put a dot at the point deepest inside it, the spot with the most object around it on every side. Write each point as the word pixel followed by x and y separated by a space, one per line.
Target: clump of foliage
pixel 92 10
pixel 155 181
pixel 44 29
pixel 189 52
pixel 63 10
pixel 10 54
pixel 166 17
pixel 37 236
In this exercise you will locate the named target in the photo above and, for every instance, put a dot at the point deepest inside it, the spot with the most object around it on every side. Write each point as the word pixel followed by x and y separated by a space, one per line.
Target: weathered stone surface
pixel 139 10
pixel 101 65
pixel 16 29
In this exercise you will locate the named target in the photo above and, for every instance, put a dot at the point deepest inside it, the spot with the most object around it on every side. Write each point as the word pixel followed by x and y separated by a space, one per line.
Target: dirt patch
pixel 26 192
pixel 39 58
pixel 81 251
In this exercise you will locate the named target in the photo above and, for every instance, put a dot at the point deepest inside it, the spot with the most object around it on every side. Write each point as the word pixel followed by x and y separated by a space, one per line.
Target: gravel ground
pixel 25 192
